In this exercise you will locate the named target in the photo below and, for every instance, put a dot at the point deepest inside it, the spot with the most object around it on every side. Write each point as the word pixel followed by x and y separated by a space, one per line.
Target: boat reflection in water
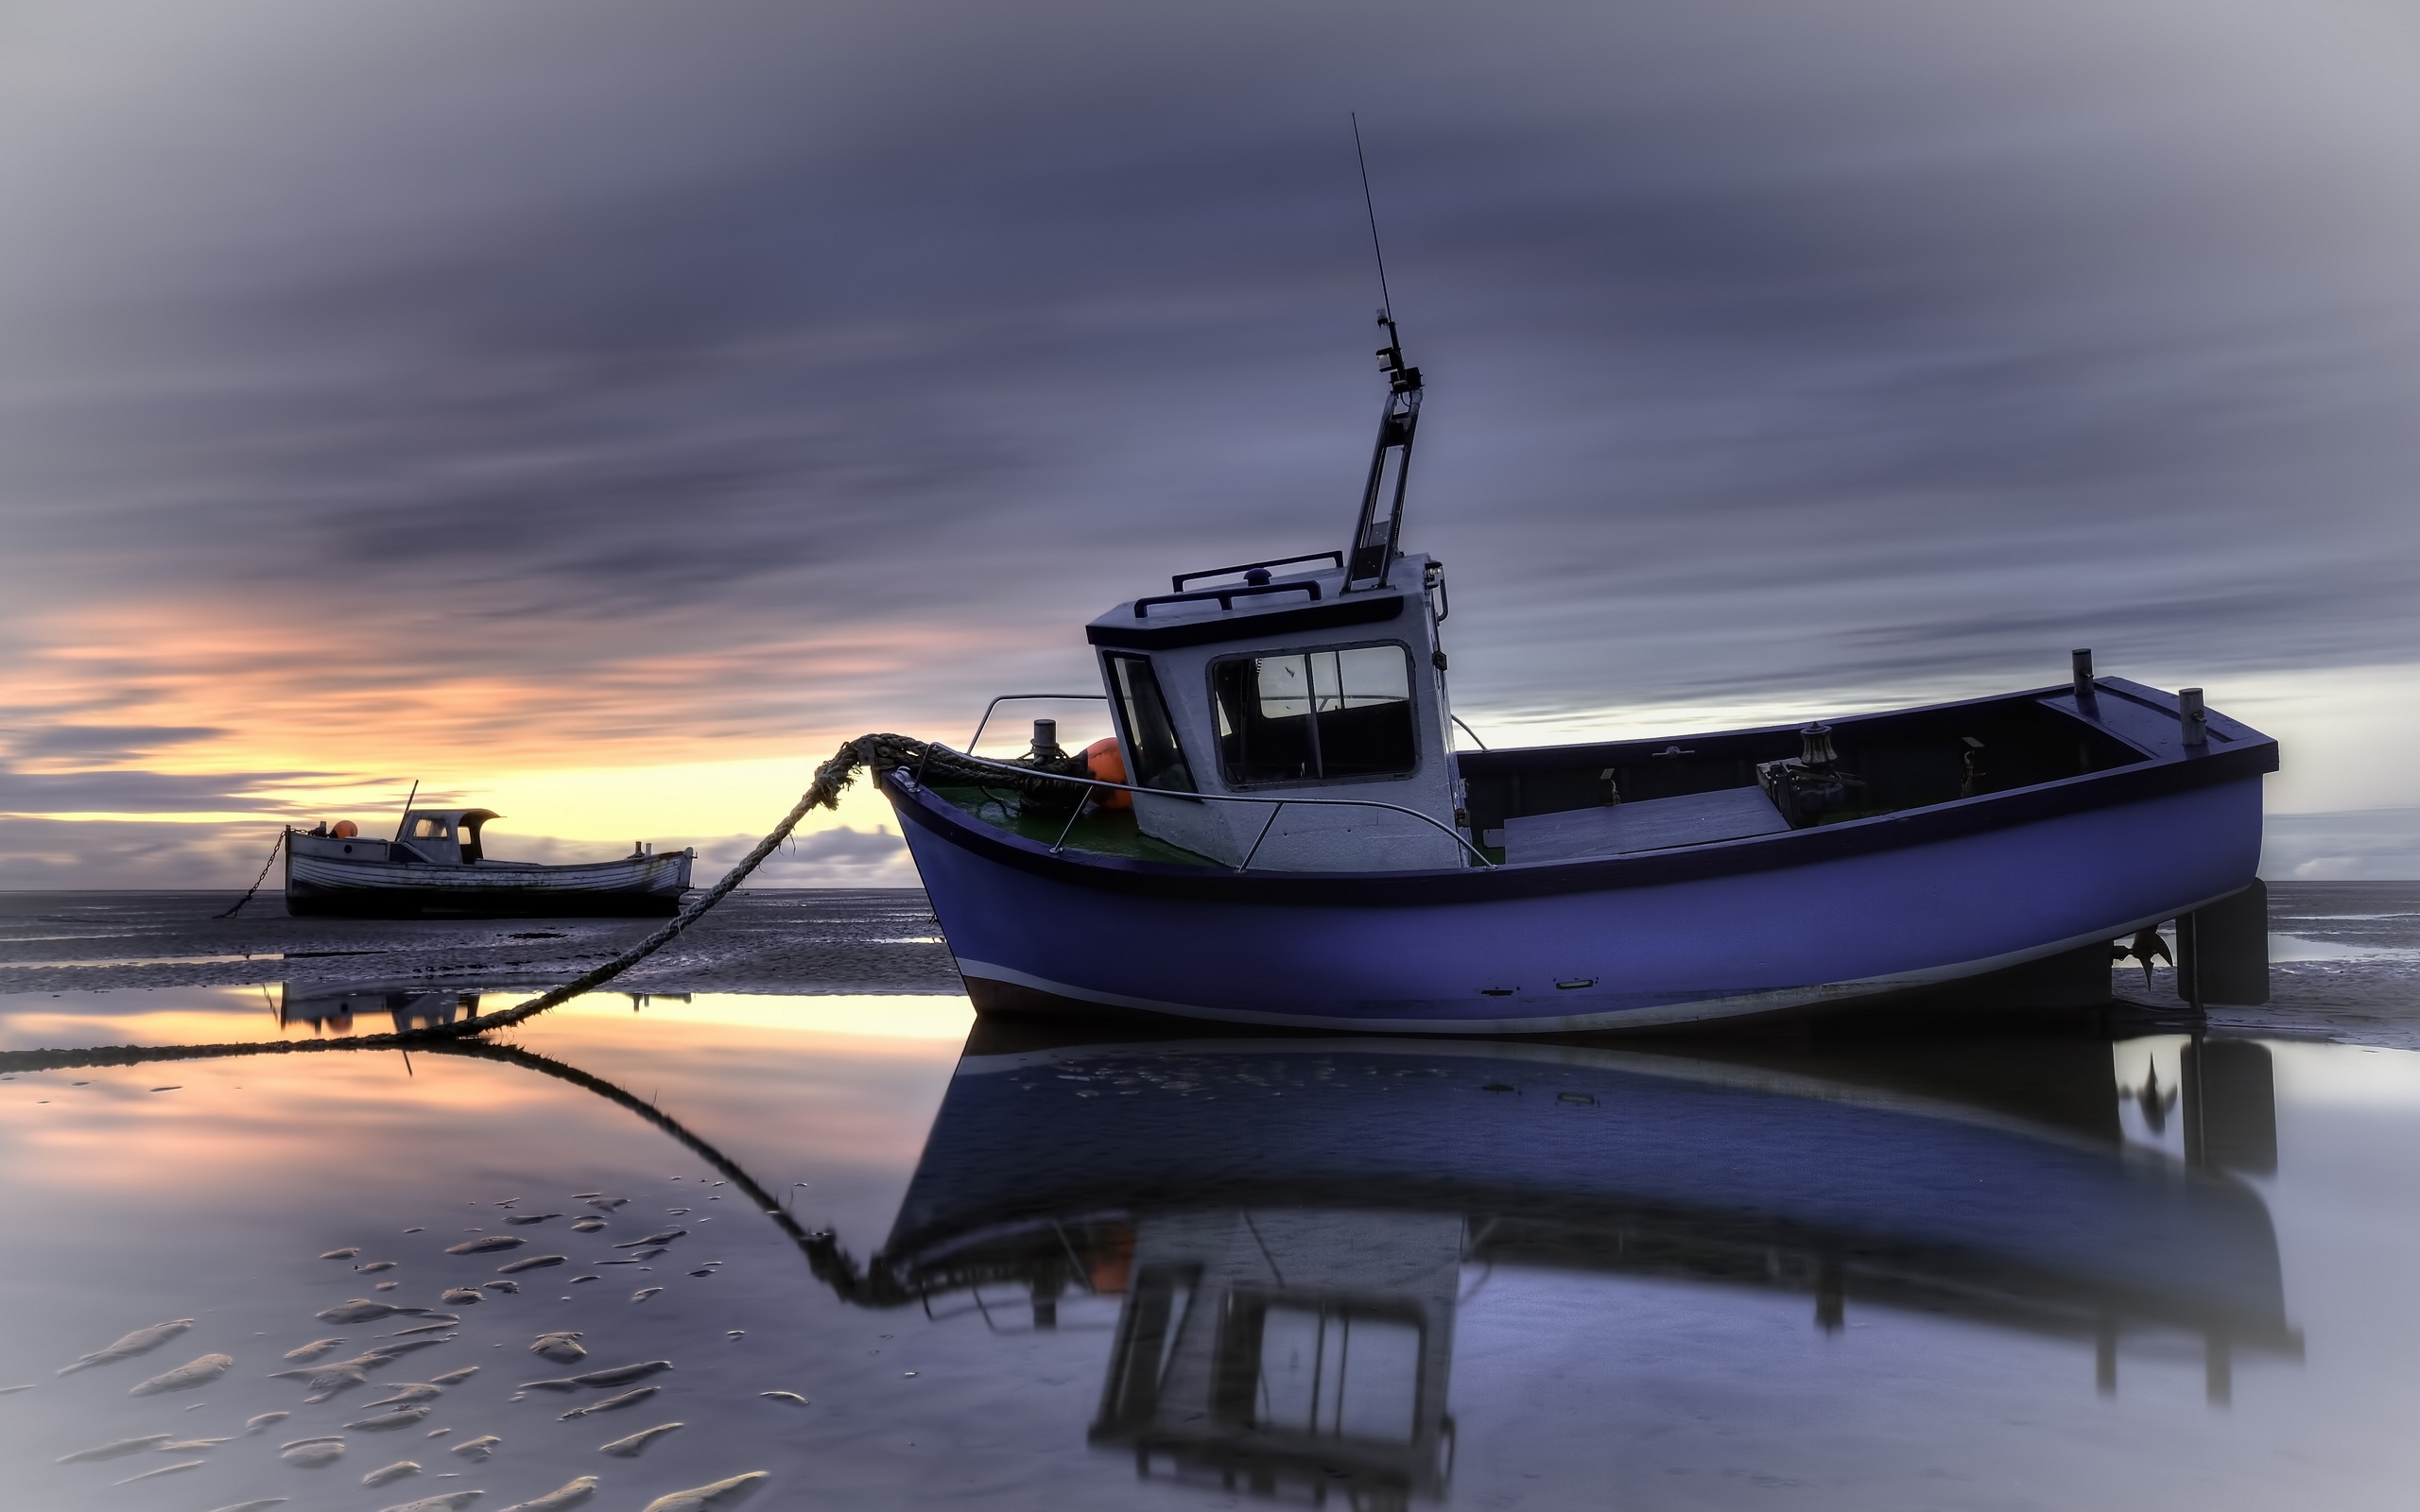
pixel 333 1008
pixel 1289 1223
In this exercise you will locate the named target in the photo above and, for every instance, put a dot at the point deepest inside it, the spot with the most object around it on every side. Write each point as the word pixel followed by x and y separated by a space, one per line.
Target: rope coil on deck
pixel 879 752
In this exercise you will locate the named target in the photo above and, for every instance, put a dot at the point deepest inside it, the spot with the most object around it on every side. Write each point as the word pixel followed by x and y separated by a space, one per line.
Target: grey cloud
pixel 832 850
pixel 1772 347
pixel 138 792
pixel 48 853
pixel 847 844
pixel 2348 846
pixel 102 744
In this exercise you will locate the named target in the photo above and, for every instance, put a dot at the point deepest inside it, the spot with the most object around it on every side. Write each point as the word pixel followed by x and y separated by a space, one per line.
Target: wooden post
pixel 2222 950
pixel 2194 717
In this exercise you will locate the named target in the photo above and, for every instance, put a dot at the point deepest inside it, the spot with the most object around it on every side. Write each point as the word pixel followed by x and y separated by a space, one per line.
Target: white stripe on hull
pixel 642 875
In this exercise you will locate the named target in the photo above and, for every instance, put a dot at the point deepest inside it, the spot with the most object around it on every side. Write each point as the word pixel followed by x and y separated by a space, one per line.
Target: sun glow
pixel 220 718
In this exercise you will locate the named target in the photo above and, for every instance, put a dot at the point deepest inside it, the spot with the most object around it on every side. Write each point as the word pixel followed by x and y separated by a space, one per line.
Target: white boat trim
pixel 377 875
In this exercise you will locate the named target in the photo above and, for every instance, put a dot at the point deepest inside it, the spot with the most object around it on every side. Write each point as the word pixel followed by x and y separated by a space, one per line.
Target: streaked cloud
pixel 444 391
pixel 2352 845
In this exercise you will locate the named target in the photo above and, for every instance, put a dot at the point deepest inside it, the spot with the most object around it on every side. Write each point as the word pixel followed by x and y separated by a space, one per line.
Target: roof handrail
pixel 1178 582
pixel 1227 596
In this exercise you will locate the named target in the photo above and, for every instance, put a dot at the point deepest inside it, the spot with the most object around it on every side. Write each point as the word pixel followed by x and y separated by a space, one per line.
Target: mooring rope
pixel 832 779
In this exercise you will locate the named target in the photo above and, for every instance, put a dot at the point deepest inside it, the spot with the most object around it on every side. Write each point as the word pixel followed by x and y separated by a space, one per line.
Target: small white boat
pixel 436 868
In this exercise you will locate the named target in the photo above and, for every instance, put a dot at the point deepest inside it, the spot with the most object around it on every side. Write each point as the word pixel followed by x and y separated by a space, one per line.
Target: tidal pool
pixel 925 1261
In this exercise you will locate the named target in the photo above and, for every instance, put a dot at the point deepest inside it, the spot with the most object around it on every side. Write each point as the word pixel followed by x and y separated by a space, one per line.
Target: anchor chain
pixel 275 845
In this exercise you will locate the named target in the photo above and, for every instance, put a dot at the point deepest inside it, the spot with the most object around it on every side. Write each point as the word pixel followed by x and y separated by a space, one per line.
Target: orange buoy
pixel 346 829
pixel 1104 763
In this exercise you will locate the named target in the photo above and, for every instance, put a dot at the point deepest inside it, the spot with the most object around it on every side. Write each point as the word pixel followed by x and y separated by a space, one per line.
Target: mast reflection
pixel 1288 1223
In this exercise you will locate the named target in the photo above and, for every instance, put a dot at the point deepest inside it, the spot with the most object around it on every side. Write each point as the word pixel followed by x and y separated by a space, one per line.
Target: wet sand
pixel 894 1265
pixel 805 941
pixel 2345 967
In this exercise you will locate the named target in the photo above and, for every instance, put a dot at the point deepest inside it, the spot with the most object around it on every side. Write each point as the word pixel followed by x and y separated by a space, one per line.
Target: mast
pixel 1374 536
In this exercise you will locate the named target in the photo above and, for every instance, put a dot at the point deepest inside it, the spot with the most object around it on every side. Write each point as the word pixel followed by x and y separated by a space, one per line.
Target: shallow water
pixel 2055 1271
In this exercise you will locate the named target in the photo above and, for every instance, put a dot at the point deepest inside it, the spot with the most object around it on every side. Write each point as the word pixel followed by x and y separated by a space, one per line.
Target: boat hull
pixel 1896 905
pixel 636 887
pixel 1829 933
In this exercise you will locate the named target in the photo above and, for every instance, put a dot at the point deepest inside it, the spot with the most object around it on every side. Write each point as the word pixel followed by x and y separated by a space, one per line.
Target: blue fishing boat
pixel 1282 831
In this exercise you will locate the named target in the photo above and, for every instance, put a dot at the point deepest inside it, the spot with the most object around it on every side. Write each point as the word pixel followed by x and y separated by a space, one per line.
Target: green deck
pixel 1101 832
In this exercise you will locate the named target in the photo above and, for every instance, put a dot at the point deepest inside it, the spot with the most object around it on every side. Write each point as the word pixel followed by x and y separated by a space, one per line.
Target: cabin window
pixel 1335 1374
pixel 1159 760
pixel 428 830
pixel 1315 715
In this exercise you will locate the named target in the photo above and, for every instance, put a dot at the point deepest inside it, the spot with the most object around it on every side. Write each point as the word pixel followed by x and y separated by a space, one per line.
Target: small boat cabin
pixel 1314 680
pixel 446 835
pixel 1296 684
pixel 427 837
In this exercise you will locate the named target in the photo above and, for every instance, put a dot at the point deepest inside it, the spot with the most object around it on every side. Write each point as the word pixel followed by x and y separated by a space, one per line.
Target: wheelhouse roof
pixel 454 816
pixel 1286 604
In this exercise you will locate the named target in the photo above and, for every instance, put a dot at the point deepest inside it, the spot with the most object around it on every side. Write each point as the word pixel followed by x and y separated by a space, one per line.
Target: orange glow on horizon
pixel 230 1119
pixel 360 701
pixel 685 745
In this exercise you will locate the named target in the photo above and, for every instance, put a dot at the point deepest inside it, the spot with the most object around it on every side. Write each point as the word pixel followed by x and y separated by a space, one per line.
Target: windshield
pixel 1326 715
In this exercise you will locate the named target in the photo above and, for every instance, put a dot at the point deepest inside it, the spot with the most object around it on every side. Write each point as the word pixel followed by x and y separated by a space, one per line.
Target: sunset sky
pixel 598 409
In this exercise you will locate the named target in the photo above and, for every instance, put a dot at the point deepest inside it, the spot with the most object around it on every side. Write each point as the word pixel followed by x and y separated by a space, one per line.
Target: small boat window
pixel 428 830
pixel 1325 1372
pixel 1159 762
pixel 1308 715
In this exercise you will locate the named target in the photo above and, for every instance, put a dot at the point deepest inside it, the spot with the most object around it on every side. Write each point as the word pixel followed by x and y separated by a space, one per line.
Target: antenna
pixel 1386 300
pixel 406 816
pixel 1373 554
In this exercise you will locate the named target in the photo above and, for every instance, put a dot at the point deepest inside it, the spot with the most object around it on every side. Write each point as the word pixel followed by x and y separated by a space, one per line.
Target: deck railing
pixel 1013 697
pixel 1275 805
